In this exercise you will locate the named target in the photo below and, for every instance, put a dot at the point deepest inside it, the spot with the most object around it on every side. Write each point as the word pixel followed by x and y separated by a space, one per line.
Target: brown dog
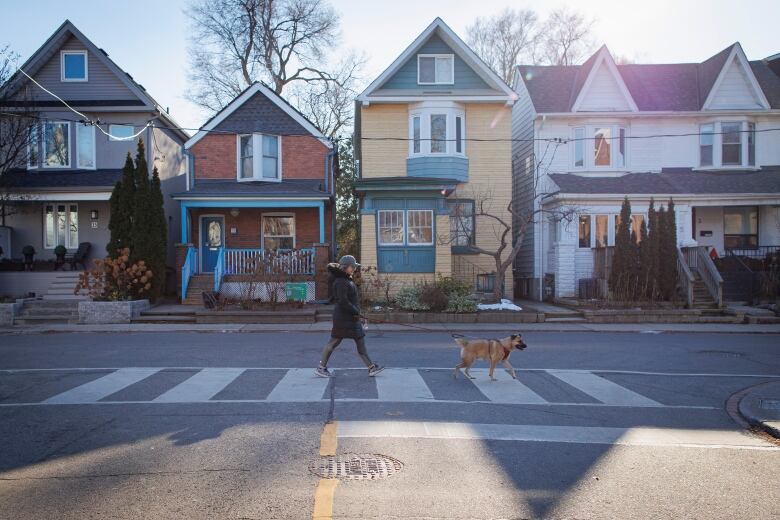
pixel 493 350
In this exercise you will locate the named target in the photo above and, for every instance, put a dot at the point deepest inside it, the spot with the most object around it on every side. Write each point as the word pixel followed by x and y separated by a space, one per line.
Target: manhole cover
pixel 723 353
pixel 352 466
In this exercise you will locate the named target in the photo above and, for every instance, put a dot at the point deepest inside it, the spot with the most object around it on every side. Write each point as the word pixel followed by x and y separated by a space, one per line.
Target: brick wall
pixel 303 157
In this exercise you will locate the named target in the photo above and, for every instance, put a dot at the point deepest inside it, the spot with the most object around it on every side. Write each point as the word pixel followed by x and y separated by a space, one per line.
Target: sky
pixel 148 38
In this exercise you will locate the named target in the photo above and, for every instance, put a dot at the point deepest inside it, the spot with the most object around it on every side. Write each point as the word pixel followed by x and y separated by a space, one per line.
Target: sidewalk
pixel 761 407
pixel 324 327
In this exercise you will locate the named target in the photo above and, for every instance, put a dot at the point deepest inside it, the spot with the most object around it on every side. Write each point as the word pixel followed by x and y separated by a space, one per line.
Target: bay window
pixel 259 157
pixel 727 144
pixel 437 129
pixel 584 231
pixel 33 148
pixel 278 232
pixel 61 225
pixel 599 147
pixel 602 230
pixel 435 69
pixel 56 145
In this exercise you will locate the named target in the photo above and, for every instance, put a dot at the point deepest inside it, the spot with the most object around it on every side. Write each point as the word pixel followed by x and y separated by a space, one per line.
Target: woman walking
pixel 347 321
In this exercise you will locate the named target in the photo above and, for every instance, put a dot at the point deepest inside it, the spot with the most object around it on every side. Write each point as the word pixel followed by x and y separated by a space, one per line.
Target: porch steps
pixel 198 284
pixel 48 311
pixel 63 286
pixel 702 299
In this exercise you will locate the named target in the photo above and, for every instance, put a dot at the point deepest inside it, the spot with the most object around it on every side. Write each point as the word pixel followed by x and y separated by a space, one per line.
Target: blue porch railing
pixel 219 269
pixel 188 269
pixel 289 261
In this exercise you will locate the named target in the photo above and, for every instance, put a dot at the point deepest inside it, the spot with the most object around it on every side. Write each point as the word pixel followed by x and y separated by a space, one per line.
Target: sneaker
pixel 374 370
pixel 323 372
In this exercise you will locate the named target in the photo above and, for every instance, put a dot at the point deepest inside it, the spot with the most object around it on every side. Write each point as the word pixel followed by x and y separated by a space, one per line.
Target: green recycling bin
pixel 296 291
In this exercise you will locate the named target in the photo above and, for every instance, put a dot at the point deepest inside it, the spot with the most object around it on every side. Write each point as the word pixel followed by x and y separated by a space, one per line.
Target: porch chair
pixel 79 257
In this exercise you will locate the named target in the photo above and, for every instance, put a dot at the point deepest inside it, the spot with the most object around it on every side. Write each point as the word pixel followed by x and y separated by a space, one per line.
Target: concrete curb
pixel 749 408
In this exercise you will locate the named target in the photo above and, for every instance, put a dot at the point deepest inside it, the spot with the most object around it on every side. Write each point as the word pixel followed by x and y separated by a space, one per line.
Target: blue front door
pixel 211 239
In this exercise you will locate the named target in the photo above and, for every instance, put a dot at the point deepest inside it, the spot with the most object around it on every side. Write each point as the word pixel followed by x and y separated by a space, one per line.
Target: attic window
pixel 74 65
pixel 435 69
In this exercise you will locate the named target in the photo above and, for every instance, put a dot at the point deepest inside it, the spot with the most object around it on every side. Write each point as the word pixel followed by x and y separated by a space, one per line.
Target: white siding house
pixel 704 134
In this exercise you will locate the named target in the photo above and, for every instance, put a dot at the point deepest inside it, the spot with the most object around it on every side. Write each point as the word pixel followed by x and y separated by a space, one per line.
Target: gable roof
pixel 675 87
pixel 53 44
pixel 245 96
pixel 587 75
pixel 459 47
pixel 736 57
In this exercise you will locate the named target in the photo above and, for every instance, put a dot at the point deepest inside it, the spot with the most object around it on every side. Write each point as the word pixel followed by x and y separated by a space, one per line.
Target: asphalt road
pixel 176 425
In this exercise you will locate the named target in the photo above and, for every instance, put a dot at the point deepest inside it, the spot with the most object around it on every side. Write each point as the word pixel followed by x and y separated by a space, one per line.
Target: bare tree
pixel 500 221
pixel 17 121
pixel 566 38
pixel 280 42
pixel 504 40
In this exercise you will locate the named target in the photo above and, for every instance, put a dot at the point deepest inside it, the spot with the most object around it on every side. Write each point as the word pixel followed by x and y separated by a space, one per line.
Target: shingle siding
pixel 260 114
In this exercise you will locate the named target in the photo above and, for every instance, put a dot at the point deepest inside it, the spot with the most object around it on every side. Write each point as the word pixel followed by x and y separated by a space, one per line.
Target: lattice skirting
pixel 262 291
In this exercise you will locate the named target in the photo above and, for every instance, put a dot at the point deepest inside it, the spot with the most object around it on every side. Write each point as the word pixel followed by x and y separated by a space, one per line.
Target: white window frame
pixel 62 66
pixel 407 226
pixel 379 228
pixel 68 244
pixel 424 111
pixel 86 128
pixel 450 81
pixel 42 148
pixel 717 145
pixel 257 159
pixel 581 142
pixel 591 226
pixel 286 215
pixel 120 138
pixel 588 147
pixel 35 138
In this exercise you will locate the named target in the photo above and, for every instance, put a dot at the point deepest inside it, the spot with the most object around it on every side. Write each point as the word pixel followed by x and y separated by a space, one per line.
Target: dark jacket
pixel 346 314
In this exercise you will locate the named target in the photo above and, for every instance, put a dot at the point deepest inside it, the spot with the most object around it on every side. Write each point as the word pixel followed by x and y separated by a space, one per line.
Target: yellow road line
pixel 323 499
pixel 328 440
pixel 326 488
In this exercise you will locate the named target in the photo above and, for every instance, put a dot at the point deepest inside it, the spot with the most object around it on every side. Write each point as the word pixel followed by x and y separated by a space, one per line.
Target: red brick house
pixel 261 180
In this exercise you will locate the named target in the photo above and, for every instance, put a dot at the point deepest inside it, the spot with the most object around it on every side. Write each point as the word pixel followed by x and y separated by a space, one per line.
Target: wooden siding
pixel 102 83
pixel 523 168
pixel 735 91
pixel 384 158
pixel 440 167
pixel 603 94
pixel 406 76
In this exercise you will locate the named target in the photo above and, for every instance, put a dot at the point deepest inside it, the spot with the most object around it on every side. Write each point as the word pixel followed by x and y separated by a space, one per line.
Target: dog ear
pixel 515 336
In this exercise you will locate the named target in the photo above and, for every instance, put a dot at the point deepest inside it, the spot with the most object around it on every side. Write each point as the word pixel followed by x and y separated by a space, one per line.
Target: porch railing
pixel 219 269
pixel 291 261
pixel 686 278
pixel 188 269
pixel 759 257
pixel 699 260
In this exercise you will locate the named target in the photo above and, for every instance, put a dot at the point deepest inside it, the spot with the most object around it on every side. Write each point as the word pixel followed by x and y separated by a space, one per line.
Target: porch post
pixel 183 217
pixel 322 222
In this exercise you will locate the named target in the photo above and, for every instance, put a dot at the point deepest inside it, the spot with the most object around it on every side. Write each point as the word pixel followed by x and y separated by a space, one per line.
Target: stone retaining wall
pixel 7 313
pixel 111 312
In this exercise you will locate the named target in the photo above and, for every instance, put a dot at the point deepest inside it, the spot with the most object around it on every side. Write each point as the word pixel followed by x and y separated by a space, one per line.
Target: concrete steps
pixel 63 287
pixel 48 311
pixel 198 284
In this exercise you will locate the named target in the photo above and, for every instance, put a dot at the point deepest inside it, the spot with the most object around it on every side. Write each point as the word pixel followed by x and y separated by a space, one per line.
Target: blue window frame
pixel 406 235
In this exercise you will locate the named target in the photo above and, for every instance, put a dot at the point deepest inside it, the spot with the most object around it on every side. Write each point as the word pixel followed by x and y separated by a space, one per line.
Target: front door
pixel 211 239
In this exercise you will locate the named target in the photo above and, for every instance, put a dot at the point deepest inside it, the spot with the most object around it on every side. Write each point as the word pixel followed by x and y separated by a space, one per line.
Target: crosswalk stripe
pixel 603 389
pixel 640 436
pixel 299 384
pixel 506 389
pixel 398 384
pixel 102 387
pixel 202 386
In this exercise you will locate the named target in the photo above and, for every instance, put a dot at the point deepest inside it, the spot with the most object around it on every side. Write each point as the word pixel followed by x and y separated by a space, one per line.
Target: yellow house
pixel 433 144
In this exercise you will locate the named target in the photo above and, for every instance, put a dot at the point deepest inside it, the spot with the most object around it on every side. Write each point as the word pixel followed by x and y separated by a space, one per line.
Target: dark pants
pixel 335 342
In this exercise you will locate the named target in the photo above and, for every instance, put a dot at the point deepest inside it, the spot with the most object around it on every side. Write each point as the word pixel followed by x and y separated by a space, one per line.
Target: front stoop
pixel 63 287
pixel 48 311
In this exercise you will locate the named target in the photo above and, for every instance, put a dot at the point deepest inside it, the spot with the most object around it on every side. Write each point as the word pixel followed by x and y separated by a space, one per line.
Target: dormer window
pixel 74 65
pixel 727 144
pixel 435 69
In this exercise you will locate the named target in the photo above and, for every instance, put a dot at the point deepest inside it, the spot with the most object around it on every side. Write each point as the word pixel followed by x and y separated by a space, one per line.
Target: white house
pixel 586 136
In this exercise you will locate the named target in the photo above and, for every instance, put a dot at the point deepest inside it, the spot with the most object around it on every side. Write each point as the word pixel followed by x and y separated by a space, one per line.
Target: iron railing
pixel 686 278
pixel 188 269
pixel 289 261
pixel 698 259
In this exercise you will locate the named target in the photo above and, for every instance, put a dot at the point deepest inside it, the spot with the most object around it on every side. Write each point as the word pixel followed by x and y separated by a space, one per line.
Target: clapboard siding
pixel 522 178
pixel 603 94
pixel 735 90
pixel 406 77
pixel 439 167
pixel 102 83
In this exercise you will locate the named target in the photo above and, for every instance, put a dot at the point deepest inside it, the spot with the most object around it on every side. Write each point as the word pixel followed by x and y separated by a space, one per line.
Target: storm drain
pixel 353 466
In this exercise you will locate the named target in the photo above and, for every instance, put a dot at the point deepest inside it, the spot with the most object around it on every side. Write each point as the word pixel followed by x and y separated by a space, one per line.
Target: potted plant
pixel 28 252
pixel 59 253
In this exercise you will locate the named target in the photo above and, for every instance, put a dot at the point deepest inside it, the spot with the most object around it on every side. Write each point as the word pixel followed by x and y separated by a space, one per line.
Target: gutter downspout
pixel 330 188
